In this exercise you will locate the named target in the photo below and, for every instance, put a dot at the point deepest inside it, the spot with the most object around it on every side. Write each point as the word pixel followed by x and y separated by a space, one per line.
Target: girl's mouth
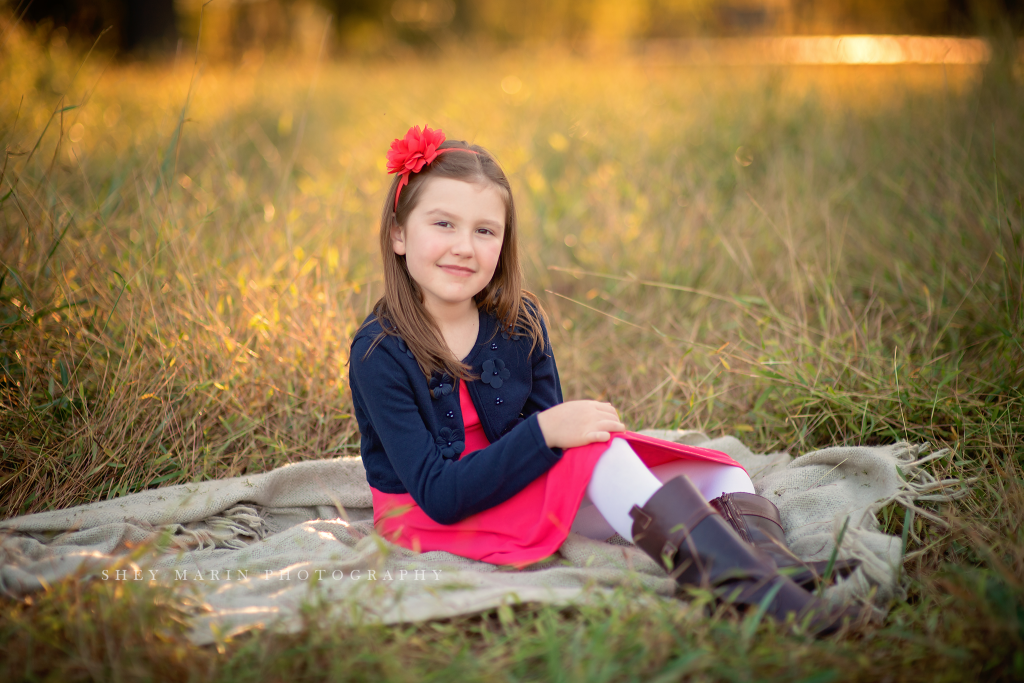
pixel 457 270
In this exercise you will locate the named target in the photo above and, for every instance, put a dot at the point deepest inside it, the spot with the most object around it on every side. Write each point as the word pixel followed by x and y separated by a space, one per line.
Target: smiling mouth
pixel 457 270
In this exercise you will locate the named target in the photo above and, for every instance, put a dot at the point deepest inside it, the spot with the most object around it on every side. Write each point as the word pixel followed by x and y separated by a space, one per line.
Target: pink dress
pixel 530 525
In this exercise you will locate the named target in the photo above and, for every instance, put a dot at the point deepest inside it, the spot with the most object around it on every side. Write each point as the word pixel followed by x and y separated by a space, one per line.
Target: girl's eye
pixel 444 224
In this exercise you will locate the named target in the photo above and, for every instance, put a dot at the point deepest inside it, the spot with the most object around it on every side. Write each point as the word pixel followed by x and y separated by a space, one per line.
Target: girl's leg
pixel 591 523
pixel 621 479
pixel 706 549
pixel 712 479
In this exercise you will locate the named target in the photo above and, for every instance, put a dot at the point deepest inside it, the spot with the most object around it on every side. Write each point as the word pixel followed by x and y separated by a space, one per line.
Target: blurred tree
pixel 148 25
pixel 934 17
pixel 346 10
pixel 368 26
pixel 138 25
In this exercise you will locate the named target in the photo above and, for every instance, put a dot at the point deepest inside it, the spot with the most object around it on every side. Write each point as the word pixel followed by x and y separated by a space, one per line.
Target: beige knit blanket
pixel 251 550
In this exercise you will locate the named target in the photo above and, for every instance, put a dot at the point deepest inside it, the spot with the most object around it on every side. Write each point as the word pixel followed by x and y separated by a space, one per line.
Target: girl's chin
pixel 455 300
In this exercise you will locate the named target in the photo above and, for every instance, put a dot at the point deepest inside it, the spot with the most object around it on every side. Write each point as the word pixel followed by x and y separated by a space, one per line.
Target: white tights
pixel 621 479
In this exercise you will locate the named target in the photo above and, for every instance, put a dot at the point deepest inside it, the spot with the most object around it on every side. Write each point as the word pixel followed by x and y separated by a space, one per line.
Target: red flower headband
pixel 410 154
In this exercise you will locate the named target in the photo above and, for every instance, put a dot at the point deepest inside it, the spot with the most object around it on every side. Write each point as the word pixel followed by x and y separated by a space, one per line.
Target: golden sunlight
pixel 844 49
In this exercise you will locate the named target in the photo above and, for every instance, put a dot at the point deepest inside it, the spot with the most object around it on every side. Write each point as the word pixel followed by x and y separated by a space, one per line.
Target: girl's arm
pixel 391 415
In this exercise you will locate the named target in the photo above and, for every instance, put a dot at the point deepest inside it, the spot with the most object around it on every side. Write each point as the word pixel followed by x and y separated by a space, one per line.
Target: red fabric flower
pixel 414 151
pixel 410 154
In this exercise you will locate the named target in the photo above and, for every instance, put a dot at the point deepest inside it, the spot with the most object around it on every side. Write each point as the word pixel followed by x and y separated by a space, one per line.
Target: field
pixel 800 257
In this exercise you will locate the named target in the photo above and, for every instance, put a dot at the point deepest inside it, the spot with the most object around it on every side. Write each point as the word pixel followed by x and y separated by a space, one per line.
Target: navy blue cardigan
pixel 412 431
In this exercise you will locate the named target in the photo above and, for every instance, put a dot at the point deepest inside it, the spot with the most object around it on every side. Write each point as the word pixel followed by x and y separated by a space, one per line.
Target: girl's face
pixel 452 240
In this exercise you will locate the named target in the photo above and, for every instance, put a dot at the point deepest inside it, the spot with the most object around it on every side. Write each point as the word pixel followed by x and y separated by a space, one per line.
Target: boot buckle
pixel 640 516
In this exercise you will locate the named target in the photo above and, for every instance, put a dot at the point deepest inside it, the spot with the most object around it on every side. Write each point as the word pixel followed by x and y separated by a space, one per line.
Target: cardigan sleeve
pixel 447 490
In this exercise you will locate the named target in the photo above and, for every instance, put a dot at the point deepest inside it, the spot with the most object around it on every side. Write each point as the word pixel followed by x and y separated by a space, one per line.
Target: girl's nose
pixel 463 243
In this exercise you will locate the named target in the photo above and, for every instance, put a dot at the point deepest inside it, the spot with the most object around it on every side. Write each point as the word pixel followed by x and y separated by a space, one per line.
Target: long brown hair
pixel 401 309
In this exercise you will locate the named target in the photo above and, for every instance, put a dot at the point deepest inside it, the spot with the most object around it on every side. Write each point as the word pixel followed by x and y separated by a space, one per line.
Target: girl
pixel 467 443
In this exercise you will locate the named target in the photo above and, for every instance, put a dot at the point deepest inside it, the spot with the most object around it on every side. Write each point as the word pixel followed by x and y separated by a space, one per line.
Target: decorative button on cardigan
pixel 407 441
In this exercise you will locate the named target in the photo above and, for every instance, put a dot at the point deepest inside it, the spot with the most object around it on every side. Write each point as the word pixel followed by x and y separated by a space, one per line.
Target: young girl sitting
pixel 467 443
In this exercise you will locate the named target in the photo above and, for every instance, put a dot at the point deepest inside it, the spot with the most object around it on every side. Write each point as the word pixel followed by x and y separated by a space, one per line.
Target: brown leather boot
pixel 697 547
pixel 758 522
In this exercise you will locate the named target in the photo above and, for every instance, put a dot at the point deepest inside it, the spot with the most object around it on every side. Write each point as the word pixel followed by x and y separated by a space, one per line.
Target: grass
pixel 800 257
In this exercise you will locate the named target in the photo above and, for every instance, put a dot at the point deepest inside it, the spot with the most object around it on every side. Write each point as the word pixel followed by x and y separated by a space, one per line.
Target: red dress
pixel 530 525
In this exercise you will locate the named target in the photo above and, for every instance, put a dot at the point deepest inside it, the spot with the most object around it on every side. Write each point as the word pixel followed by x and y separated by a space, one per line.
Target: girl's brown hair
pixel 401 310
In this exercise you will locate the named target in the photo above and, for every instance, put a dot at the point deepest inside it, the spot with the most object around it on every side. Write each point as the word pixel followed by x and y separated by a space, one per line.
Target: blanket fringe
pixel 234 528
pixel 919 485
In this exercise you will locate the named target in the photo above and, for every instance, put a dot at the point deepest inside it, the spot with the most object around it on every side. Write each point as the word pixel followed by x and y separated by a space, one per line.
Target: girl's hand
pixel 577 423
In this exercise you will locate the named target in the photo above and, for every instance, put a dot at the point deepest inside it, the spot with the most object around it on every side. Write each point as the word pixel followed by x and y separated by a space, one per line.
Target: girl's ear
pixel 398 239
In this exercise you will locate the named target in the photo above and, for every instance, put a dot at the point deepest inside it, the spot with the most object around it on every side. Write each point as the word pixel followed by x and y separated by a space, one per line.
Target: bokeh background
pixel 389 28
pixel 386 27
